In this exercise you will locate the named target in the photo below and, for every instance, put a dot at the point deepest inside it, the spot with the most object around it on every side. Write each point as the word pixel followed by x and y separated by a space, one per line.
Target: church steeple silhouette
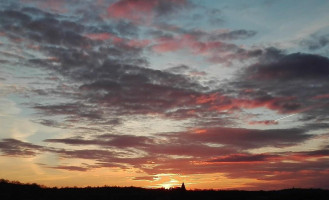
pixel 183 187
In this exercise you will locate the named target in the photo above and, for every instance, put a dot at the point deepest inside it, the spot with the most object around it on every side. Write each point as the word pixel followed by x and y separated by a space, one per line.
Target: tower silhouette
pixel 183 187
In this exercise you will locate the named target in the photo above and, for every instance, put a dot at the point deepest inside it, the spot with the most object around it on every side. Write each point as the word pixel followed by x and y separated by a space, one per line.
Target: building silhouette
pixel 183 187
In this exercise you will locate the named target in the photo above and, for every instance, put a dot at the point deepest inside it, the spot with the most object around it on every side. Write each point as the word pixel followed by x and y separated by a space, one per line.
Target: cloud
pixel 312 154
pixel 71 111
pixel 286 77
pixel 121 82
pixel 265 122
pixel 256 170
pixel 237 158
pixel 218 143
pixel 292 66
pixel 164 153
pixel 144 178
pixel 118 40
pixel 125 28
pixel 71 168
pixel 198 43
pixel 113 73
pixel 102 36
pixel 200 158
pixel 60 6
pixel 219 102
pixel 101 68
pixel 215 17
pixel 316 42
pixel 322 96
pixel 47 29
pixel 245 138
pixel 152 146
pixel 108 140
pixel 233 35
pixel 13 147
pixel 109 71
pixel 143 11
pixel 109 75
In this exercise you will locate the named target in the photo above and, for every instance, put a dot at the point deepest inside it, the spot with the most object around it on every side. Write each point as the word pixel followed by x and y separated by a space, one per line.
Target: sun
pixel 166 186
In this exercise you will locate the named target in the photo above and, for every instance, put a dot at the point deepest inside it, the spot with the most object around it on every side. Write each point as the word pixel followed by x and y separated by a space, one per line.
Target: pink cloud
pixel 138 43
pixel 279 104
pixel 197 73
pixel 118 40
pixel 207 98
pixel 184 41
pixel 98 36
pixel 104 36
pixel 166 45
pixel 134 10
pixel 138 11
pixel 265 122
pixel 220 102
pixel 322 96
pixel 213 51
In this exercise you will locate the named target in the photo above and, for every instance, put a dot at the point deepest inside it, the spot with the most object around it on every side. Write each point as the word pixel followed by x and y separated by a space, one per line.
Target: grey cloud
pixel 166 7
pixel 71 168
pixel 51 123
pixel 292 66
pixel 233 35
pixel 159 34
pixel 70 109
pixel 127 28
pixel 194 145
pixel 119 141
pixel 12 18
pixel 49 30
pixel 245 138
pixel 13 147
pixel 316 42
pixel 45 28
pixel 215 18
pixel 242 158
pixel 178 69
pixel 298 77
pixel 153 146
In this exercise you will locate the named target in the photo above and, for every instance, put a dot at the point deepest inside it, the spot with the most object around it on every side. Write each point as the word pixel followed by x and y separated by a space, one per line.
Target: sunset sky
pixel 218 94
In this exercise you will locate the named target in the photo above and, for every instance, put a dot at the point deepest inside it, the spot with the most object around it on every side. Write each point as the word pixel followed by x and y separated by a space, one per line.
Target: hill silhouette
pixel 17 190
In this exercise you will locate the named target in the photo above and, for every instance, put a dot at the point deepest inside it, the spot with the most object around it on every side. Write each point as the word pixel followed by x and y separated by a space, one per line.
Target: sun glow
pixel 170 184
pixel 166 186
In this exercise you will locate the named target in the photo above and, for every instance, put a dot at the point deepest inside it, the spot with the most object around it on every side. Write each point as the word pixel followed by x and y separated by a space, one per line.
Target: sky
pixel 152 93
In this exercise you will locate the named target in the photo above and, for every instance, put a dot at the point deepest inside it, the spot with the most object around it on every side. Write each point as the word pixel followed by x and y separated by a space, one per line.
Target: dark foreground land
pixel 15 190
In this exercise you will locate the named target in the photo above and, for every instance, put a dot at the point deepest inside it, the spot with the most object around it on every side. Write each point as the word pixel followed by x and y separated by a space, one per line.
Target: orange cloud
pixel 200 131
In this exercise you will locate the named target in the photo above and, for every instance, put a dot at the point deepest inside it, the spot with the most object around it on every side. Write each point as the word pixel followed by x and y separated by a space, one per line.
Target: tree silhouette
pixel 15 190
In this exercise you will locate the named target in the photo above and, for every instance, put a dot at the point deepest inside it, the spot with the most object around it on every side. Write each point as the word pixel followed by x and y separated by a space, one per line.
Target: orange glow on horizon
pixel 200 131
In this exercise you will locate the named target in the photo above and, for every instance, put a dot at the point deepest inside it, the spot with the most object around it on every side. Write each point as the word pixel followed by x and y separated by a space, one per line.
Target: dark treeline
pixel 16 190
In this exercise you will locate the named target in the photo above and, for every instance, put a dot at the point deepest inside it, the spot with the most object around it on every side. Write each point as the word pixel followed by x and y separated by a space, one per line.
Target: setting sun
pixel 166 186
